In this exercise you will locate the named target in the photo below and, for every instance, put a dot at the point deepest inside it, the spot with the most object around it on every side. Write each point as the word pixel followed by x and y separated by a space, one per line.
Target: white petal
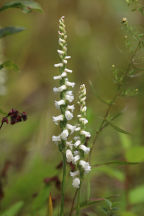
pixel 64 134
pixel 61 52
pixel 85 133
pixel 75 159
pixel 58 65
pixel 73 174
pixel 68 115
pixel 71 127
pixel 59 103
pixel 69 155
pixel 67 57
pixel 70 84
pixel 57 77
pixel 77 143
pixel 84 148
pixel 56 138
pixel 59 89
pixel 68 70
pixel 71 107
pixel 76 183
pixel 56 119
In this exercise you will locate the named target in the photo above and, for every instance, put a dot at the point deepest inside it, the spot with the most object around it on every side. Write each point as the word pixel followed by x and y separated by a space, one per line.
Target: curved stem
pixel 63 185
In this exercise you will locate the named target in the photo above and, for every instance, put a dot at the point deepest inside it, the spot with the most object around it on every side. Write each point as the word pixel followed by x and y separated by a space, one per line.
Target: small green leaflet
pixel 25 6
pixel 117 128
pixel 10 30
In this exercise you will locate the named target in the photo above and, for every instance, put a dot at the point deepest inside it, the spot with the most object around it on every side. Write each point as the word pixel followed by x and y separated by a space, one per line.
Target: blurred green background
pixel 95 42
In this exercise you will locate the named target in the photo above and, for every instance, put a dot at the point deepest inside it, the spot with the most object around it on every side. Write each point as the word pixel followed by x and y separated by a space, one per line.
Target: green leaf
pixel 25 6
pixel 110 171
pixel 127 214
pixel 125 141
pixel 10 30
pixel 137 195
pixel 117 128
pixel 9 65
pixel 116 163
pixel 95 93
pixel 14 210
pixel 87 204
pixel 135 153
pixel 42 199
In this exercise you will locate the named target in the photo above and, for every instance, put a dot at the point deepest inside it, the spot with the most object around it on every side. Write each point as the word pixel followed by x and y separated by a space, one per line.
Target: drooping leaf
pixel 50 206
pixel 14 210
pixel 24 5
pixel 117 128
pixel 9 65
pixel 10 30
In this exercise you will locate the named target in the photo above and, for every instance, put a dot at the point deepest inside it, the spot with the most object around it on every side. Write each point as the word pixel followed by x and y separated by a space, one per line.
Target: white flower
pixel 68 115
pixel 69 155
pixel 57 77
pixel 75 159
pixel 69 96
pixel 84 109
pixel 56 119
pixel 85 165
pixel 64 134
pixel 70 84
pixel 65 61
pixel 64 74
pixel 83 99
pixel 60 89
pixel 83 120
pixel 84 148
pixel 76 183
pixel 61 40
pixel 68 70
pixel 59 103
pixel 85 133
pixel 67 57
pixel 69 144
pixel 58 65
pixel 77 129
pixel 73 174
pixel 71 107
pixel 56 138
pixel 61 52
pixel 77 143
pixel 71 127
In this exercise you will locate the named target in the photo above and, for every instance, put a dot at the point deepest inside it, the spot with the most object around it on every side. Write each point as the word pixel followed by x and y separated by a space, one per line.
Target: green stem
pixel 78 202
pixel 63 185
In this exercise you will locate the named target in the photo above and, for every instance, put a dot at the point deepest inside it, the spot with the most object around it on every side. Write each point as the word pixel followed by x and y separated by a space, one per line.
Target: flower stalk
pixel 66 109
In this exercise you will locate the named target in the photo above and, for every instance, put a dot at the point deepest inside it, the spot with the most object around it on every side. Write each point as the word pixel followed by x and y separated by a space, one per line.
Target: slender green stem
pixel 63 185
pixel 78 202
